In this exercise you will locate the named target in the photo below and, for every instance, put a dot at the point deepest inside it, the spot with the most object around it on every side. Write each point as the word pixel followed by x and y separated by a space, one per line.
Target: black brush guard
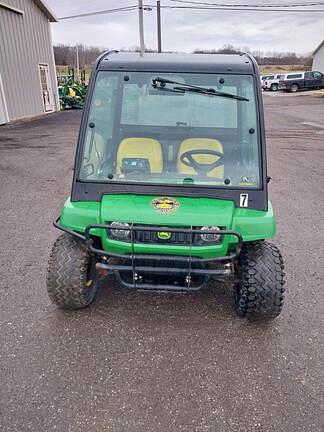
pixel 182 266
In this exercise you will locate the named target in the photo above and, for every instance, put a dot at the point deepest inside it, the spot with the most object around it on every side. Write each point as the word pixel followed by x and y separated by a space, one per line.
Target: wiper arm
pixel 164 81
pixel 194 89
pixel 171 90
pixel 211 92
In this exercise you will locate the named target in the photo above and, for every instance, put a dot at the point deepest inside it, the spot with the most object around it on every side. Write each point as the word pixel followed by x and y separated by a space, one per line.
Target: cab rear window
pixel 293 76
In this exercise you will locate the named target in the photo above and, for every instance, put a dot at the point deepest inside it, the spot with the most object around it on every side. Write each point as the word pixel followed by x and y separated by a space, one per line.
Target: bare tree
pixel 65 55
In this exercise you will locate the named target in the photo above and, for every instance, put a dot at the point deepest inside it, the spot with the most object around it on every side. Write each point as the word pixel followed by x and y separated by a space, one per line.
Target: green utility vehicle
pixel 170 184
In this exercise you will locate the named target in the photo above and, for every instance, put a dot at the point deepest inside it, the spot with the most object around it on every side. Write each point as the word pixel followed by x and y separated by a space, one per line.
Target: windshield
pixel 172 128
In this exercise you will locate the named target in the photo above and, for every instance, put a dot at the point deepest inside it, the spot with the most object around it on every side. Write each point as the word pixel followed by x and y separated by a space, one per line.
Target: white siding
pixel 25 41
pixel 318 60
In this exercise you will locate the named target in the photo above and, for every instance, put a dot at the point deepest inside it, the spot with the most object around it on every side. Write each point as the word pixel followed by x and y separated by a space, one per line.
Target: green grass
pixel 270 69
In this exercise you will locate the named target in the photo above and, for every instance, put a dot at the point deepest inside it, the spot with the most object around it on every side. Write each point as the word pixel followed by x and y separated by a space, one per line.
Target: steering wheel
pixel 187 158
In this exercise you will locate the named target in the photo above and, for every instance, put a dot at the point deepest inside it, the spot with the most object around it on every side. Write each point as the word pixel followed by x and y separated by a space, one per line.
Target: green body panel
pixel 77 215
pixel 138 209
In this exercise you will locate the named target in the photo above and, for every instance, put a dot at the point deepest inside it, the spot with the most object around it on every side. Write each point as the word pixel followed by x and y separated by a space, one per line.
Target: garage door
pixel 3 106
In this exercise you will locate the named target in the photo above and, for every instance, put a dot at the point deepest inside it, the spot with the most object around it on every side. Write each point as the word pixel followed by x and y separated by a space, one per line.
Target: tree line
pixel 264 58
pixel 66 55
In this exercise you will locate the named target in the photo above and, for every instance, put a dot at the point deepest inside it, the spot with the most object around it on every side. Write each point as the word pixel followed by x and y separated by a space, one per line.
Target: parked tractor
pixel 72 91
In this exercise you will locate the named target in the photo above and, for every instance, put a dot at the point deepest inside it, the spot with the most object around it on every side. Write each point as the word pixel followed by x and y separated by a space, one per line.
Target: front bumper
pixel 147 271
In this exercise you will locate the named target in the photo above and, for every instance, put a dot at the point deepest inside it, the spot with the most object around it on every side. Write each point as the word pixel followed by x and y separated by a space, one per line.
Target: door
pixel 319 79
pixel 310 80
pixel 4 118
pixel 47 94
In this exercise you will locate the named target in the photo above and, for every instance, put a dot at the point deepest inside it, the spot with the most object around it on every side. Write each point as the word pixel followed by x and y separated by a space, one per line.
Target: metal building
pixel 318 58
pixel 27 67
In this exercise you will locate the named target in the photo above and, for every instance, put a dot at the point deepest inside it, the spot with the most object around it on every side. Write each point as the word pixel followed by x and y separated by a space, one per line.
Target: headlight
pixel 119 233
pixel 210 237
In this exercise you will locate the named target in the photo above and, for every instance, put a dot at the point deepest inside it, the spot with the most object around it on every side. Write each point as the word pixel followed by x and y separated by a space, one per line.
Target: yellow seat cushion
pixel 204 144
pixel 146 148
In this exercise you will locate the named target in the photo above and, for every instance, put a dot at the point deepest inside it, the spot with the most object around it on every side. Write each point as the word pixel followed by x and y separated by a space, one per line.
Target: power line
pixel 245 9
pixel 199 6
pixel 292 5
pixel 102 12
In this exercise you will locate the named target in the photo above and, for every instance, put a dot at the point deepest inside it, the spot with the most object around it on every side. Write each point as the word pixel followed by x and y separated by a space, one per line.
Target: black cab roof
pixel 176 62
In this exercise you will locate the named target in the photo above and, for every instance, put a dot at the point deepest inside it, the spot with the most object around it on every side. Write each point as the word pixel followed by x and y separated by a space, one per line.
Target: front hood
pixel 154 210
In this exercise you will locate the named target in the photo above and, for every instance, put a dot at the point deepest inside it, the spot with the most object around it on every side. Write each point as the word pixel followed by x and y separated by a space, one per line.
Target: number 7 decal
pixel 244 200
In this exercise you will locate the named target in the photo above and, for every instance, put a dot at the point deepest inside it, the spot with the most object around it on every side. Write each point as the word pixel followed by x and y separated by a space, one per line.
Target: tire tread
pixel 67 274
pixel 261 290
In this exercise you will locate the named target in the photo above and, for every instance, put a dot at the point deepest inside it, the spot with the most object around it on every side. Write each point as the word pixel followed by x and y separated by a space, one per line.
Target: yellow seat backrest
pixel 71 92
pixel 146 148
pixel 196 144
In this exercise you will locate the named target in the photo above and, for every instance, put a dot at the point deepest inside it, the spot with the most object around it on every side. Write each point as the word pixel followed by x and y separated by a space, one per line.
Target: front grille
pixel 176 238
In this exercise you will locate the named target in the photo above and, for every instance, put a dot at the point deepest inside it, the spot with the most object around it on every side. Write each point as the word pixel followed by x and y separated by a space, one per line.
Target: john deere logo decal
pixel 164 235
pixel 165 204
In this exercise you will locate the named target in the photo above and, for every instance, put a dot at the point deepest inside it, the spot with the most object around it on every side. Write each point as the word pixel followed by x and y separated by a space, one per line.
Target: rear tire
pixel 71 278
pixel 294 88
pixel 260 292
pixel 274 87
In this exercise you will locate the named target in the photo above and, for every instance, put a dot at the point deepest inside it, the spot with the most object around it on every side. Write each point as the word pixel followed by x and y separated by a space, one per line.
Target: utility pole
pixel 158 20
pixel 141 26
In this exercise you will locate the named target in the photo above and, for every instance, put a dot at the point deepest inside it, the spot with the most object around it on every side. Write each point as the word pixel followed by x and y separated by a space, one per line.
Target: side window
pixel 294 76
pixel 317 75
pixel 309 75
pixel 102 103
pixel 100 132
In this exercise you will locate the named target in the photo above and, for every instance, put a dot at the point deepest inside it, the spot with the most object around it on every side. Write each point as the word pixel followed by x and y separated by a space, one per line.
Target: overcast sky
pixel 185 30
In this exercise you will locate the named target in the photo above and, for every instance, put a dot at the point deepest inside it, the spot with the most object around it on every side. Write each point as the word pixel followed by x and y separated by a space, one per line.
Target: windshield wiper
pixel 194 89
